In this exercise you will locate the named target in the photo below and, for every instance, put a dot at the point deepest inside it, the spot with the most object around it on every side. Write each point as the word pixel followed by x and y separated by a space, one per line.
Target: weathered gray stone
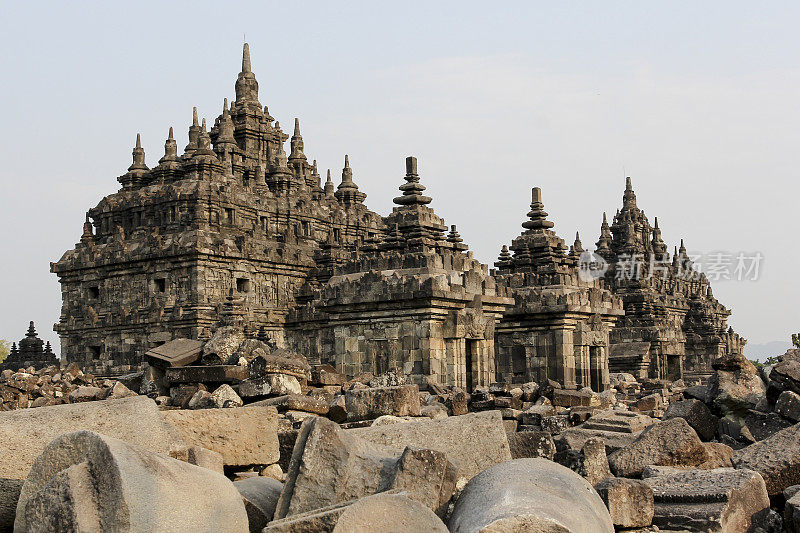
pixel 530 444
pixel 697 415
pixel 223 343
pixel 670 443
pixel 295 402
pixel 201 399
pixel 724 499
pixel 618 421
pixel 225 396
pixel 26 432
pixel 260 496
pixel 243 437
pixel 85 394
pixel 791 513
pixel 427 476
pixel 388 513
pixel 575 438
pixel 777 459
pixel 283 384
pixel 206 374
pixel 472 442
pixel 365 404
pixel 330 465
pixel 206 458
pixel 84 481
pixel 9 496
pixel 177 352
pixel 529 495
pixel 735 385
pixel 629 501
pixel 788 405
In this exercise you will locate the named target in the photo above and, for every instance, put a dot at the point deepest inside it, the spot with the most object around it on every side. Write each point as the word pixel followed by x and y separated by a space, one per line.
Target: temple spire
pixel 246 84
pixel 246 59
pixel 329 185
pixel 347 192
pixel 297 143
pixel 88 233
pixel 628 197
pixel 138 156
pixel 170 149
pixel 537 214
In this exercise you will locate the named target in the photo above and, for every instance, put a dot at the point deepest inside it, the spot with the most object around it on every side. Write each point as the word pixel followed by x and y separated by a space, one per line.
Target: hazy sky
pixel 696 101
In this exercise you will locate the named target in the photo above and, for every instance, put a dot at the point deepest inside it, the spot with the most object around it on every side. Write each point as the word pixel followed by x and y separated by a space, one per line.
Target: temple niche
pixel 414 301
pixel 559 325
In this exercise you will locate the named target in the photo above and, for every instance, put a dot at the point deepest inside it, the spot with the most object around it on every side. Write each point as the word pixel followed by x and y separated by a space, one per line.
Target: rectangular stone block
pixel 206 374
pixel 243 436
pixel 135 420
pixel 365 404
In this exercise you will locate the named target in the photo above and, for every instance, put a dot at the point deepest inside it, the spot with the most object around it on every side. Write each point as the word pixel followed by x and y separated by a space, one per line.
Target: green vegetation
pixel 5 348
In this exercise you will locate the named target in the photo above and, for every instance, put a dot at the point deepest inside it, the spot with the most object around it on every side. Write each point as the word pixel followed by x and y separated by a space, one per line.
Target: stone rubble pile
pixel 243 436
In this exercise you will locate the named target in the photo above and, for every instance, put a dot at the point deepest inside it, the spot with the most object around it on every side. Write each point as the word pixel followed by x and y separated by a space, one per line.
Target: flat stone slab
pixel 723 499
pixel 178 352
pixel 619 421
pixel 136 420
pixel 243 436
pixel 207 374
pixel 575 438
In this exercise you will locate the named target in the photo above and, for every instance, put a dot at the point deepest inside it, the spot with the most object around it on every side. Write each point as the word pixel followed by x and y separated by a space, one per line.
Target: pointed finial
pixel 171 135
pixel 605 221
pixel 194 117
pixel 537 214
pixel 203 125
pixel 138 140
pixel 412 189
pixel 628 186
pixel 453 236
pixel 656 221
pixel 246 58
pixel 346 161
pixel 297 127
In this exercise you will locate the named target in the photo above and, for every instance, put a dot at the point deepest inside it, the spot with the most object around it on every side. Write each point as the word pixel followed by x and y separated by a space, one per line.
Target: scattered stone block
pixel 295 402
pixel 575 438
pixel 330 465
pixel 260 497
pixel 427 476
pixel 788 405
pixel 201 399
pixel 697 415
pixel 326 375
pixel 243 437
pixel 206 374
pixel 471 442
pixel 531 444
pixel 777 459
pixel 529 495
pixel 366 404
pixel 735 387
pixel 534 414
pixel 283 384
pixel 84 481
pixel 178 352
pixel 388 513
pixel 280 362
pixel 670 443
pixel 572 398
pixel 199 456
pixel 629 501
pixel 434 411
pixel 791 513
pixel 85 394
pixel 555 424
pixel 618 421
pixel 225 396
pixel 724 499
pixel 137 420
pixel 223 344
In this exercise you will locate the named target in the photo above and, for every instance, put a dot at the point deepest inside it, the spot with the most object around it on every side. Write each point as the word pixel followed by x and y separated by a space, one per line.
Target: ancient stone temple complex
pixel 31 351
pixel 234 225
pixel 673 326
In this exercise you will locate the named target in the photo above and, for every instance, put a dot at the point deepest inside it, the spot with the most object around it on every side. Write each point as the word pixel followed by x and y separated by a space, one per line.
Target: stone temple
pixel 234 231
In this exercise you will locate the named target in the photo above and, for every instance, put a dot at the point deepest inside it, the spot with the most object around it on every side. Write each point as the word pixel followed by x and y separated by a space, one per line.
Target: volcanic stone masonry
pixel 234 231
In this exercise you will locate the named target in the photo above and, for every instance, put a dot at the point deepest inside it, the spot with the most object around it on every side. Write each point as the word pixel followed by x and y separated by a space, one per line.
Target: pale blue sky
pixel 698 102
